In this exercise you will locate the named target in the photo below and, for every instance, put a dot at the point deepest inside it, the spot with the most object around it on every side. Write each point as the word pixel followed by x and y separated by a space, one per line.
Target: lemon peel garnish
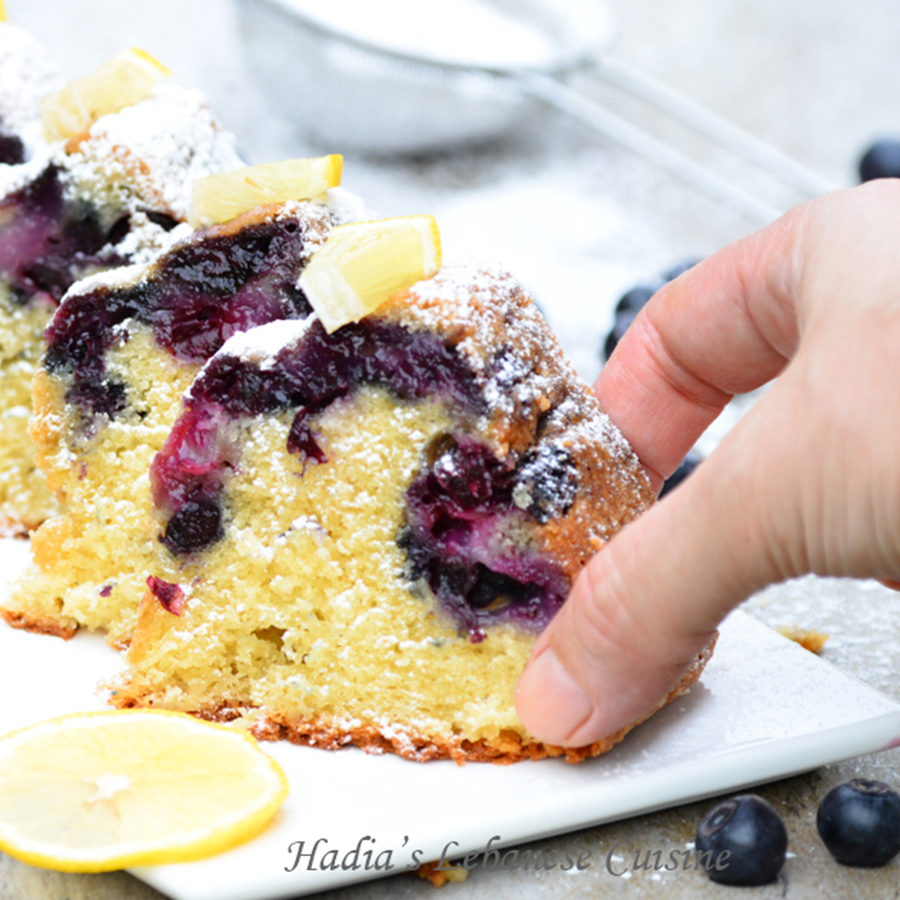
pixel 223 196
pixel 362 264
pixel 124 80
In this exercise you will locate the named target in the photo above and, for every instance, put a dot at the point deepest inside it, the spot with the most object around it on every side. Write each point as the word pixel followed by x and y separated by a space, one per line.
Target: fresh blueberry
pixel 627 307
pixel 742 841
pixel 633 301
pixel 681 268
pixel 860 823
pixel 620 326
pixel 688 464
pixel 636 299
pixel 881 160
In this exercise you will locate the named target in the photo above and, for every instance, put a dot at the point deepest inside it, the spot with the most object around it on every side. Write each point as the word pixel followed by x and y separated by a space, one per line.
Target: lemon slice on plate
pixel 124 80
pixel 363 264
pixel 223 196
pixel 93 792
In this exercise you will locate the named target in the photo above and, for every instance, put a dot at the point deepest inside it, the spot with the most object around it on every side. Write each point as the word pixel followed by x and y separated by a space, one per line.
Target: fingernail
pixel 550 703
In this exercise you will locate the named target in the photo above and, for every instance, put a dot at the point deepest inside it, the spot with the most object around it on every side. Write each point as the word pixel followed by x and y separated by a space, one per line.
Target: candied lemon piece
pixel 363 264
pixel 93 792
pixel 223 196
pixel 124 80
pixel 2 11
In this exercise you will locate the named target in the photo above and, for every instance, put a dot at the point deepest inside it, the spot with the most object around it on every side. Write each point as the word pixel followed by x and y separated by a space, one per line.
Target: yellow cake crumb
pixel 811 640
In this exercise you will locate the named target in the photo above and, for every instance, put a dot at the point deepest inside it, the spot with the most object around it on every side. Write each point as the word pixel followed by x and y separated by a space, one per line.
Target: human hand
pixel 808 480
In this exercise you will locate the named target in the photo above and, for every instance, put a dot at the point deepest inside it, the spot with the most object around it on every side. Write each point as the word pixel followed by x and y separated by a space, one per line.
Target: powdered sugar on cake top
pixel 337 206
pixel 345 206
pixel 146 240
pixel 151 152
pixel 15 177
pixel 466 302
pixel 27 75
pixel 260 346
pixel 121 276
pixel 467 292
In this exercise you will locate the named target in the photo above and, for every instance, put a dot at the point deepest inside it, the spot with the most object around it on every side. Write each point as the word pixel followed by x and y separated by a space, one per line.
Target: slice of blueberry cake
pixel 121 349
pixel 361 533
pixel 112 195
pixel 26 76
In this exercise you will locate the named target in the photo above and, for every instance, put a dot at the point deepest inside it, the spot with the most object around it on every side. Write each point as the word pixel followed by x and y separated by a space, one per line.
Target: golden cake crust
pixel 29 622
pixel 509 747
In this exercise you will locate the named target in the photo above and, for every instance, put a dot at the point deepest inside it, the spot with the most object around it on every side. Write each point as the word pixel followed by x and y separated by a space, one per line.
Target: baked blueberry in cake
pixel 361 532
pixel 121 349
pixel 110 195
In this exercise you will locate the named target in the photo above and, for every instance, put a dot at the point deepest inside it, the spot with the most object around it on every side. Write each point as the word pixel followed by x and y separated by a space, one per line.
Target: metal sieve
pixel 408 77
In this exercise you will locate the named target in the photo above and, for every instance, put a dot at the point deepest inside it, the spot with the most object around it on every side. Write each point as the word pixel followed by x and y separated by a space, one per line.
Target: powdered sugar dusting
pixel 15 177
pixel 122 276
pixel 259 346
pixel 27 75
pixel 477 296
pixel 347 207
pixel 599 429
pixel 146 240
pixel 149 154
pixel 319 215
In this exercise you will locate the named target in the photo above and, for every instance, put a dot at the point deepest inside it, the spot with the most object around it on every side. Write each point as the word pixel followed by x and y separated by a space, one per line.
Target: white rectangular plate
pixel 765 709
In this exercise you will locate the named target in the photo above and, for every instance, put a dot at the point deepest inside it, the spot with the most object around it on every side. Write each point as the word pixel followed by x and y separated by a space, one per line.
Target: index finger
pixel 726 326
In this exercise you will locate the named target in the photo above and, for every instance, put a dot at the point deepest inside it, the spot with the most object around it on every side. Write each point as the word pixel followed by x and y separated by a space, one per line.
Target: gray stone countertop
pixel 580 221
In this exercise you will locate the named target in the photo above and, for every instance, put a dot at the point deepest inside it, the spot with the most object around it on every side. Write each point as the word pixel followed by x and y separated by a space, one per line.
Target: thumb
pixel 646 607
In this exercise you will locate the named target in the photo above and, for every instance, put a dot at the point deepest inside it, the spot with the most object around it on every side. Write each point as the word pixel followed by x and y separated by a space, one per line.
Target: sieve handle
pixel 711 125
pixel 575 104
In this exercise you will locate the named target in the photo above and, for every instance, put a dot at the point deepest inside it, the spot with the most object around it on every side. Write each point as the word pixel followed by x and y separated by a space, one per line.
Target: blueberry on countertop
pixel 881 160
pixel 742 841
pixel 635 300
pixel 681 268
pixel 620 326
pixel 628 306
pixel 859 821
pixel 688 464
